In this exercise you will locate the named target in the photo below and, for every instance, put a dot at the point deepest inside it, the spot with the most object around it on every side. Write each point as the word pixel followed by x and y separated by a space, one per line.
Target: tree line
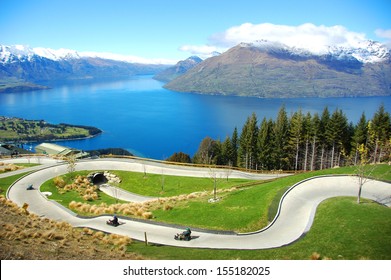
pixel 299 141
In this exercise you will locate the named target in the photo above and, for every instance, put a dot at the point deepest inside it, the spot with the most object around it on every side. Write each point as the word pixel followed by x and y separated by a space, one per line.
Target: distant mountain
pixel 270 69
pixel 177 70
pixel 22 67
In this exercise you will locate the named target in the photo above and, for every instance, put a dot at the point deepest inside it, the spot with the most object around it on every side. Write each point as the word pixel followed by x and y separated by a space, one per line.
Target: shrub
pixel 59 182
pixel 167 207
pixel 99 235
pixel 147 215
pixel 315 256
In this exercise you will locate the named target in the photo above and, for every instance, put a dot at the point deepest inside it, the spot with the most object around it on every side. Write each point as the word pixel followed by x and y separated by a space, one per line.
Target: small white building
pixel 54 149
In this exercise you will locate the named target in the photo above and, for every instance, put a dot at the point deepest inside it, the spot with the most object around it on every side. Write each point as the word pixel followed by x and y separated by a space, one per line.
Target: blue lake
pixel 139 115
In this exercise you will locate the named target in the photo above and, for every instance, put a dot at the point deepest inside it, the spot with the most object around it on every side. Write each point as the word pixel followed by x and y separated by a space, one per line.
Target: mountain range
pixel 271 69
pixel 260 69
pixel 178 69
pixel 24 68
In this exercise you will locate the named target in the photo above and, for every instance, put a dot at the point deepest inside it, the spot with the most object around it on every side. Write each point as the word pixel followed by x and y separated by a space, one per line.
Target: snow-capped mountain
pixel 57 54
pixel 9 54
pixel 24 67
pixel 271 69
pixel 262 68
pixel 364 51
pixel 13 53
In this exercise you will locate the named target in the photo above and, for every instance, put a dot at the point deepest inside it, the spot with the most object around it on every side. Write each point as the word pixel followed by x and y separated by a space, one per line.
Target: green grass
pixel 150 185
pixel 241 210
pixel 69 196
pixel 158 185
pixel 342 229
pixel 6 182
pixel 250 209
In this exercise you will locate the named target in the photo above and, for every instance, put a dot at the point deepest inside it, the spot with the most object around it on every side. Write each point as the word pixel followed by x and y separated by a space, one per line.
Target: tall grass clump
pixel 81 185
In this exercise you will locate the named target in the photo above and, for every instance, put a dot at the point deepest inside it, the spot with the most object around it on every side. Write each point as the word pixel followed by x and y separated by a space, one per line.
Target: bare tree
pixel 228 172
pixel 71 160
pixel 162 180
pixel 364 170
pixel 144 169
pixel 214 176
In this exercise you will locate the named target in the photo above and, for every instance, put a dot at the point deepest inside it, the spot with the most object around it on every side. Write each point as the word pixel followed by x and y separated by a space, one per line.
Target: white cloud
pixel 308 36
pixel 386 34
pixel 383 33
pixel 202 51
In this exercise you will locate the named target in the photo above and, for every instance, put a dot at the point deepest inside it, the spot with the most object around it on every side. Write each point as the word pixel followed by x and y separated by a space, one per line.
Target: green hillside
pixel 16 129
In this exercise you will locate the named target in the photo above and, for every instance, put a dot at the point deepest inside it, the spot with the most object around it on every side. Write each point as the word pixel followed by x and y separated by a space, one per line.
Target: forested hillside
pixel 301 142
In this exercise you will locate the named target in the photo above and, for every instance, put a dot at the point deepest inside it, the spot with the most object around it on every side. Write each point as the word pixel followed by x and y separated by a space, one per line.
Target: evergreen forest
pixel 299 141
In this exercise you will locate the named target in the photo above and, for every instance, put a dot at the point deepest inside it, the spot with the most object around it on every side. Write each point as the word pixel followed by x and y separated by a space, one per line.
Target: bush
pixel 147 215
pixel 167 207
pixel 59 182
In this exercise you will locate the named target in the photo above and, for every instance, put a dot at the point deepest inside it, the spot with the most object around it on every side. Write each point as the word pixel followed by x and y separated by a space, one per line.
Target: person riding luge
pixel 186 235
pixel 113 221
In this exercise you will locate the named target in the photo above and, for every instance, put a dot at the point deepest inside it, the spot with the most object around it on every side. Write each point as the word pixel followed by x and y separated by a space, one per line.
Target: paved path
pixel 122 194
pixel 295 216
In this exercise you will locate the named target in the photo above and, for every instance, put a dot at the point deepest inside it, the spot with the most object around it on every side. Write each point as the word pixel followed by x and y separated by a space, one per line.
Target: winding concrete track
pixel 294 218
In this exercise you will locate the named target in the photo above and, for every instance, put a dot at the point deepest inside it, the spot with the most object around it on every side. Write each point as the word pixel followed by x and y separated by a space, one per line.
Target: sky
pixel 168 31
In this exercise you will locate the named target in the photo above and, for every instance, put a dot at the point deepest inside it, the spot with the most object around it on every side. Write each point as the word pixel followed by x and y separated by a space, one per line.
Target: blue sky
pixel 177 29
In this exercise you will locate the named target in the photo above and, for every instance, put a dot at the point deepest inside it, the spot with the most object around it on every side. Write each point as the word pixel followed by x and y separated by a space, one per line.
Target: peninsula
pixel 16 129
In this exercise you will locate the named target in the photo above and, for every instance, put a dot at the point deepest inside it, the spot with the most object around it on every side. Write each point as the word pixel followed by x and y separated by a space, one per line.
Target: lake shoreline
pixel 16 129
pixel 141 116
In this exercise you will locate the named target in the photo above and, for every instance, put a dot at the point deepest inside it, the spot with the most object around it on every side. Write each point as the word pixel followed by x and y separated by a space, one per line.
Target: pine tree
pixel 296 131
pixel 323 128
pixel 248 153
pixel 337 134
pixel 307 132
pixel 227 152
pixel 281 128
pixel 217 158
pixel 360 136
pixel 301 142
pixel 266 145
pixel 315 132
pixel 235 144
pixel 379 132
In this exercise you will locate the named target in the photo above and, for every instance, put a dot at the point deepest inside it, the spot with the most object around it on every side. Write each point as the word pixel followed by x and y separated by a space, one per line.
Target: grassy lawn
pixel 69 196
pixel 150 185
pixel 6 182
pixel 158 185
pixel 342 229
pixel 248 209
pixel 155 185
